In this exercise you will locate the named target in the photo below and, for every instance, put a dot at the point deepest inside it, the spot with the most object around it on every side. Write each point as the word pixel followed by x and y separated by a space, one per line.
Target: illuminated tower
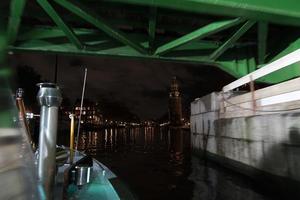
pixel 175 112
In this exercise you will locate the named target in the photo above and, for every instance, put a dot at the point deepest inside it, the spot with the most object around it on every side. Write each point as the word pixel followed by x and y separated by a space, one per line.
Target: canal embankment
pixel 256 133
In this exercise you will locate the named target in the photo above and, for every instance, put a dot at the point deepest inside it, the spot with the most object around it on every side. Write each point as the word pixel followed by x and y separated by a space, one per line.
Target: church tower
pixel 175 112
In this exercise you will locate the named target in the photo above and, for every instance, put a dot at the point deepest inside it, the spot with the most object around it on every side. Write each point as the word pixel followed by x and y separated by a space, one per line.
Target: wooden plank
pixel 235 111
pixel 285 87
pixel 281 63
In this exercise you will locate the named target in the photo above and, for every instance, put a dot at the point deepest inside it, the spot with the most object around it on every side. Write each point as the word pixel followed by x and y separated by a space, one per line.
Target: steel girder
pixel 262 41
pixel 221 46
pixel 197 34
pixel 60 23
pixel 101 24
pixel 16 10
pixel 8 34
pixel 280 11
pixel 229 43
pixel 152 28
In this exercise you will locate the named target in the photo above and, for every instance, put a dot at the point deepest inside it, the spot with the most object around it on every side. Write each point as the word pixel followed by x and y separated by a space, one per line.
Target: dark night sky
pixel 140 85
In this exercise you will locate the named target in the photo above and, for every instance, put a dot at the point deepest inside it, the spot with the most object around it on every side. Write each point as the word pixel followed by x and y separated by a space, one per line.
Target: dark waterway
pixel 157 164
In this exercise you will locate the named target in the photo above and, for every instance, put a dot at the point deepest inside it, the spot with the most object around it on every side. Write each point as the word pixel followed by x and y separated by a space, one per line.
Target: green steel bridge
pixel 237 36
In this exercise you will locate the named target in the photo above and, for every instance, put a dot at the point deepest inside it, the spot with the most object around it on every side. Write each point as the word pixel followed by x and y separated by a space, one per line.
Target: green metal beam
pixel 229 43
pixel 197 45
pixel 262 41
pixel 43 32
pixel 60 23
pixel 119 51
pixel 152 28
pixel 3 47
pixel 54 34
pixel 3 40
pixel 8 33
pixel 197 34
pixel 237 67
pixel 101 24
pixel 281 12
pixel 16 11
pixel 287 73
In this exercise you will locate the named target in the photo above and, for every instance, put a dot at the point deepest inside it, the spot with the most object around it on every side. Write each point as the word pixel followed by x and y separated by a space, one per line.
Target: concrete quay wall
pixel 267 142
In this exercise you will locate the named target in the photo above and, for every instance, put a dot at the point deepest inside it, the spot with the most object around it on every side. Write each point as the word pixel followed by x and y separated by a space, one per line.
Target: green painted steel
pixel 238 67
pixel 116 51
pixel 229 43
pixel 89 36
pixel 100 23
pixel 262 41
pixel 197 34
pixel 8 34
pixel 166 30
pixel 280 11
pixel 287 73
pixel 60 23
pixel 16 10
pixel 152 28
pixel 3 46
pixel 47 32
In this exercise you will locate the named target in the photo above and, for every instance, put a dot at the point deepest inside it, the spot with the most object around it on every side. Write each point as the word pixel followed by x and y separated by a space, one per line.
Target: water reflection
pixel 157 164
pixel 143 139
pixel 214 183
pixel 136 139
pixel 176 145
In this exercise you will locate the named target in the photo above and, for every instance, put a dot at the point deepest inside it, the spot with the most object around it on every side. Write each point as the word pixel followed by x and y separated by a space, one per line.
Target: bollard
pixel 49 98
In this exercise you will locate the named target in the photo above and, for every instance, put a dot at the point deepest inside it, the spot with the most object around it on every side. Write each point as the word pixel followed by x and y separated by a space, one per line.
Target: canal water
pixel 157 163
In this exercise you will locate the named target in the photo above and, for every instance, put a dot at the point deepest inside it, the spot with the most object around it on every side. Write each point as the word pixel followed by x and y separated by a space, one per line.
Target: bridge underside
pixel 234 35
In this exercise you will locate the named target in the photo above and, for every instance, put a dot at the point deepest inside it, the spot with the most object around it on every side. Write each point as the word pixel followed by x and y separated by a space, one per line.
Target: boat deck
pixel 99 187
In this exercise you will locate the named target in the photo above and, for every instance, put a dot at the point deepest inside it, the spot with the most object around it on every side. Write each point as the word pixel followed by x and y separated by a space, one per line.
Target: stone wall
pixel 270 142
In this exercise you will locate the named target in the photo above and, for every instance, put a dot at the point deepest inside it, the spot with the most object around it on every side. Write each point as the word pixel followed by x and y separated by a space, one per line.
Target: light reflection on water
pixel 157 164
pixel 145 140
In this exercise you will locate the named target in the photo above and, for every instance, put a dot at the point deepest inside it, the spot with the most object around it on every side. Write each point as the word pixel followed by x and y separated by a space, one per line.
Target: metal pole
pixel 49 98
pixel 72 137
pixel 22 115
pixel 81 104
pixel 56 66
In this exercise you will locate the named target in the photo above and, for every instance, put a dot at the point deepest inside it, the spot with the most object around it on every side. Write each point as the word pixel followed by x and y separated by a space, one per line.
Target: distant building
pixel 175 108
pixel 91 116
